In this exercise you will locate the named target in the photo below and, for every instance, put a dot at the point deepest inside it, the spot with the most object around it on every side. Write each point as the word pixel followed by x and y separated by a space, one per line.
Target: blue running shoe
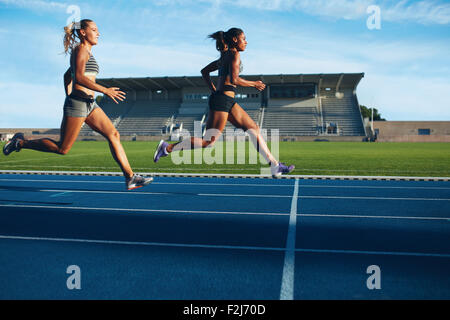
pixel 160 151
pixel 281 168
pixel 13 144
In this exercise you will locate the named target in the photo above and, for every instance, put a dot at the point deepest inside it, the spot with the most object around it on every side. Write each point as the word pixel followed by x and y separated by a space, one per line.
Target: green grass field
pixel 310 158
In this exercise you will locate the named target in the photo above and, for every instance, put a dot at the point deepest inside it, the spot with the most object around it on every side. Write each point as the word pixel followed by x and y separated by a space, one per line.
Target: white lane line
pixel 143 210
pixel 156 193
pixel 61 181
pixel 153 183
pixel 226 175
pixel 141 243
pixel 373 198
pixel 373 187
pixel 237 195
pixel 287 281
pixel 370 217
pixel 384 253
pixel 229 184
pixel 346 216
pixel 242 195
pixel 212 246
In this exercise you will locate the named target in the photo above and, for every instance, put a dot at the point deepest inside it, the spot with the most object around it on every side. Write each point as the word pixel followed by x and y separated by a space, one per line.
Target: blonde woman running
pixel 80 106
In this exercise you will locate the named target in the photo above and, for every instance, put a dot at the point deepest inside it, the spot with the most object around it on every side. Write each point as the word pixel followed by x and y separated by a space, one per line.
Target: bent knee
pixel 254 130
pixel 113 135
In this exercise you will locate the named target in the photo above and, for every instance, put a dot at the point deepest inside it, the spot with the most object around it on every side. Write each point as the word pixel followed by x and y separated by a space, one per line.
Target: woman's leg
pixel 100 123
pixel 241 120
pixel 70 128
pixel 216 120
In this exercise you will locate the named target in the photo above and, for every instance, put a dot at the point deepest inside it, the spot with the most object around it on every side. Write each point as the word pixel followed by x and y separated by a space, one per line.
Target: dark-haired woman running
pixel 222 106
pixel 80 106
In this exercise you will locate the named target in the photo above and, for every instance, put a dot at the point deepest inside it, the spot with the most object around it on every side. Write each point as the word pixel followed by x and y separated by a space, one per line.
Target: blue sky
pixel 406 62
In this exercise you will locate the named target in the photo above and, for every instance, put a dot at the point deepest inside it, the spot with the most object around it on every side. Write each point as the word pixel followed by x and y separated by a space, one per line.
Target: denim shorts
pixel 79 107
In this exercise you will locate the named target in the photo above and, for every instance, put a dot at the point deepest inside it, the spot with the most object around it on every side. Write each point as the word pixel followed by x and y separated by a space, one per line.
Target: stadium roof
pixel 170 83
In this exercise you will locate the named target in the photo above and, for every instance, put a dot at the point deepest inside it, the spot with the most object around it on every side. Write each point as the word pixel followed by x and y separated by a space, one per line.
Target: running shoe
pixel 280 169
pixel 137 181
pixel 13 144
pixel 160 151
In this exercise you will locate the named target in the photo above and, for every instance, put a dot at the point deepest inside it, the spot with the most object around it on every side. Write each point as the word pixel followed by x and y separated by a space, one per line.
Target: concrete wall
pixel 408 131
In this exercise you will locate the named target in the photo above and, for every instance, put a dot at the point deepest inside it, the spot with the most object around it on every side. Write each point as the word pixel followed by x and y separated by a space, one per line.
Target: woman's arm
pixel 68 82
pixel 234 75
pixel 82 56
pixel 213 66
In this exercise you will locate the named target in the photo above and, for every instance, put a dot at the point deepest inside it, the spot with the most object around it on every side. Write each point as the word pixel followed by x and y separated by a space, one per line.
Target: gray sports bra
pixel 92 68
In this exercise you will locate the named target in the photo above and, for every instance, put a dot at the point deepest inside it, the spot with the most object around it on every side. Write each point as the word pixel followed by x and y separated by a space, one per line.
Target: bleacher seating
pixel 297 118
pixel 190 112
pixel 147 118
pixel 113 110
pixel 252 108
pixel 292 117
pixel 343 111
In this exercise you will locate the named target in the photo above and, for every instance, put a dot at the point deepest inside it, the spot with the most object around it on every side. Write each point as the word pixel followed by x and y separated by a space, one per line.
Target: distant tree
pixel 367 113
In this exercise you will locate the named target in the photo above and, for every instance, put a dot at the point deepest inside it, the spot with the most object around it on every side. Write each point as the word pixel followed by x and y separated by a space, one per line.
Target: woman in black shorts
pixel 80 106
pixel 222 106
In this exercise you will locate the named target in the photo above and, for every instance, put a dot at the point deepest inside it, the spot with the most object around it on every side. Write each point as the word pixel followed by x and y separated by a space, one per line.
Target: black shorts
pixel 219 101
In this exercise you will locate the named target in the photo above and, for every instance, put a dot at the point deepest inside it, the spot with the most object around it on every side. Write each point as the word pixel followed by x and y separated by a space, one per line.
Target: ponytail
pixel 224 40
pixel 71 32
pixel 69 37
pixel 220 42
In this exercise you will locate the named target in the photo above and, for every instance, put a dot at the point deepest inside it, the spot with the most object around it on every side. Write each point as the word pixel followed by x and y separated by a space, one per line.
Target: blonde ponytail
pixel 72 32
pixel 69 37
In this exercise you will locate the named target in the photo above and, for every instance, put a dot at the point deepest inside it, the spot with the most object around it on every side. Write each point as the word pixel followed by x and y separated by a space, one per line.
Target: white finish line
pixel 287 282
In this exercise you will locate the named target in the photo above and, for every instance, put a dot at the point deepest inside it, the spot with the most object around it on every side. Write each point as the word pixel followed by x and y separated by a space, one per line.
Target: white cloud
pixel 425 12
pixel 36 4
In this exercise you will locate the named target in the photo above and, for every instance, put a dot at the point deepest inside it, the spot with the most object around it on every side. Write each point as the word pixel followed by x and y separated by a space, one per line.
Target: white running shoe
pixel 137 181
pixel 13 144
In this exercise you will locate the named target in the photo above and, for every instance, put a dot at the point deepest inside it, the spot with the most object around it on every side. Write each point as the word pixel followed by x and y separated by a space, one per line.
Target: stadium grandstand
pixel 301 106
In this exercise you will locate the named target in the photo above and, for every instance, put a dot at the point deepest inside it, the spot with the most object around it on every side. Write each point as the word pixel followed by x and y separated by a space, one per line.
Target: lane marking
pixel 226 175
pixel 146 210
pixel 230 184
pixel 61 194
pixel 236 195
pixel 287 281
pixel 369 217
pixel 141 243
pixel 206 246
pixel 384 253
pixel 374 198
pixel 223 212
pixel 158 183
pixel 242 195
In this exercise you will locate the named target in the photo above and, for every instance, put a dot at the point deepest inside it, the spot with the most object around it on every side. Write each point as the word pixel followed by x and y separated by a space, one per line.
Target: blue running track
pixel 216 238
